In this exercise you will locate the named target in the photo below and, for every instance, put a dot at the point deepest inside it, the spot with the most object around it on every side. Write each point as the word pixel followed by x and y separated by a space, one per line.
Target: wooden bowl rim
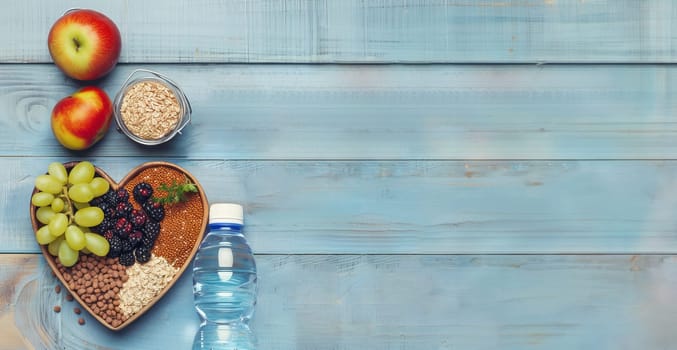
pixel 51 261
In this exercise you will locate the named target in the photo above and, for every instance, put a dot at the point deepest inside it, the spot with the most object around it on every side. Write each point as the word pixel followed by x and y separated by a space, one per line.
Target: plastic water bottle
pixel 224 282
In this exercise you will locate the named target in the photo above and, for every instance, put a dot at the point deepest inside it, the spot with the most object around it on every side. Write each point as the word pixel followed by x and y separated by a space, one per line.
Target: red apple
pixel 84 44
pixel 83 118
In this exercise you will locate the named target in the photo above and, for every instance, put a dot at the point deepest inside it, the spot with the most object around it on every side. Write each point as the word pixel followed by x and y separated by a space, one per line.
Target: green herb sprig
pixel 176 192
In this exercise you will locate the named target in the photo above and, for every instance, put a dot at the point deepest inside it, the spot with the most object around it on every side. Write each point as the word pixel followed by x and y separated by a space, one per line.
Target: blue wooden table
pixel 415 174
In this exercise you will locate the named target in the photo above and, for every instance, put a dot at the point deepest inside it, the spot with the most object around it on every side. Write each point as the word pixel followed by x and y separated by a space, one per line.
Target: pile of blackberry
pixel 131 232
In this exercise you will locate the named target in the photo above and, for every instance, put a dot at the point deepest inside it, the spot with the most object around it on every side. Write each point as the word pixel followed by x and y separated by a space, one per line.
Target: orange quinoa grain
pixel 182 224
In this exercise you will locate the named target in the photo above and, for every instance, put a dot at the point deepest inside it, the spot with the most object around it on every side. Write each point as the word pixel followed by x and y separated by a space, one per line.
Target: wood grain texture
pixel 378 112
pixel 389 302
pixel 322 31
pixel 412 207
pixel 406 186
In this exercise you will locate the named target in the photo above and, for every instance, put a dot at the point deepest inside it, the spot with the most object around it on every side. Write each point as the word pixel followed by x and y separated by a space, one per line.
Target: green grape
pixel 67 256
pixel 81 173
pixel 53 247
pixel 49 184
pixel 81 193
pixel 42 199
pixel 75 237
pixel 97 244
pixel 58 223
pixel 44 214
pixel 57 170
pixel 88 217
pixel 43 236
pixel 99 186
pixel 58 205
pixel 79 205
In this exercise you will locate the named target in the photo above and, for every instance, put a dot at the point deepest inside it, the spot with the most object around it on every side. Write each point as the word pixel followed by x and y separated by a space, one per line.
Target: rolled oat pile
pixel 150 110
pixel 145 281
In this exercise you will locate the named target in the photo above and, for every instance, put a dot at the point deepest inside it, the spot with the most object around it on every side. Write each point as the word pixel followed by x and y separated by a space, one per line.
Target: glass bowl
pixel 150 108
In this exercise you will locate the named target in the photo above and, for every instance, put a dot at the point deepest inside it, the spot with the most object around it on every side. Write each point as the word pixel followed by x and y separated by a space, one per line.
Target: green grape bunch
pixel 62 201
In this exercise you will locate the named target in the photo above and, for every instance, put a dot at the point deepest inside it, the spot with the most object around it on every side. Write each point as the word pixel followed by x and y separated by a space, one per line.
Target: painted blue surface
pixel 418 207
pixel 406 301
pixel 415 174
pixel 375 31
pixel 417 112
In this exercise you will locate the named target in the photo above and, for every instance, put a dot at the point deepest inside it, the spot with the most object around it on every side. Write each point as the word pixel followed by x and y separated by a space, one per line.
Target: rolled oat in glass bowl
pixel 150 108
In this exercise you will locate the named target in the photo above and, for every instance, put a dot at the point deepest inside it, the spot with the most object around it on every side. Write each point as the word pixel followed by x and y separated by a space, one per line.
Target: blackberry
pixel 96 201
pixel 147 242
pixel 113 253
pixel 123 227
pixel 142 254
pixel 115 247
pixel 155 211
pixel 108 234
pixel 135 237
pixel 127 259
pixel 107 222
pixel 126 246
pixel 151 229
pixel 142 191
pixel 121 195
pixel 138 217
pixel 108 210
pixel 108 198
pixel 122 209
pixel 121 223
pixel 105 225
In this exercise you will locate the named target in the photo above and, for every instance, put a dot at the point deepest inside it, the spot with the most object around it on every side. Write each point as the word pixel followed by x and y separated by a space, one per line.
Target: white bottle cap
pixel 226 213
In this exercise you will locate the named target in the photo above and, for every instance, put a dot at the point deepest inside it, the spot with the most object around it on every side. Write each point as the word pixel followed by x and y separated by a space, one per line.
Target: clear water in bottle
pixel 224 280
pixel 214 336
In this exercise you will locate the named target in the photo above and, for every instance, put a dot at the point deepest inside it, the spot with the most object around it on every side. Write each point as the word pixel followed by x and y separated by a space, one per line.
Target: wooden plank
pixel 388 302
pixel 321 31
pixel 378 112
pixel 412 207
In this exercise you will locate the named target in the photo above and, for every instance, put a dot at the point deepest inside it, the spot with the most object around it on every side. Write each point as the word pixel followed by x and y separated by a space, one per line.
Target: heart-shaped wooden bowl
pixel 181 232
